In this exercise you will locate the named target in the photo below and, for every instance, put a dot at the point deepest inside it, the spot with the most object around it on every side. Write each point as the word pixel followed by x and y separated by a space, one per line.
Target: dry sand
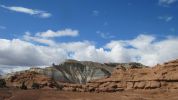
pixel 9 94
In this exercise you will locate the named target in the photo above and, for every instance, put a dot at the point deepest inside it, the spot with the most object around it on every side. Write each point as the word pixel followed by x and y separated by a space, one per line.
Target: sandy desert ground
pixel 6 94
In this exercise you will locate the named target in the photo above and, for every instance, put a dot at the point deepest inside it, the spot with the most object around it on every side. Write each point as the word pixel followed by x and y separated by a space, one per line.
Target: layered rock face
pixel 69 75
pixel 30 80
pixel 81 72
pixel 77 72
pixel 159 77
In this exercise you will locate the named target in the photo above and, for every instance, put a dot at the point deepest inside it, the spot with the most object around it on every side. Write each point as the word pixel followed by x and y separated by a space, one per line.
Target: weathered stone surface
pixel 130 85
pixel 104 84
pixel 161 76
pixel 139 85
pixel 28 79
pixel 119 85
pixel 112 85
pixel 69 89
pixel 155 84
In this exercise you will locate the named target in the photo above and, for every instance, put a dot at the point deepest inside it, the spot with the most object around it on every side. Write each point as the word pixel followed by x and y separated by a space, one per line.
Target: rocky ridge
pixel 64 76
pixel 76 72
pixel 30 80
pixel 163 76
pixel 83 71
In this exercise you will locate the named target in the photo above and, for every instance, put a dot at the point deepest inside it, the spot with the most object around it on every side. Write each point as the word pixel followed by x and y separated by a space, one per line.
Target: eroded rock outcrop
pixel 28 80
pixel 82 71
pixel 68 75
pixel 77 72
pixel 163 76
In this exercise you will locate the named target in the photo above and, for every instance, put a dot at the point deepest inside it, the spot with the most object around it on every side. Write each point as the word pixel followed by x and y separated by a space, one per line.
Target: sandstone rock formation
pixel 28 79
pixel 81 72
pixel 159 77
pixel 72 71
pixel 126 65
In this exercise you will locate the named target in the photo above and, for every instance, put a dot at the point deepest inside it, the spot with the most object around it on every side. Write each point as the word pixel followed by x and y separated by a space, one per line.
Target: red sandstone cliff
pixel 163 76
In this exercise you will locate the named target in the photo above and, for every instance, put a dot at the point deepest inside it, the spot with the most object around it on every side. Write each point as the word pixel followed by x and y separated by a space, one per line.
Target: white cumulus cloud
pixel 21 53
pixel 145 49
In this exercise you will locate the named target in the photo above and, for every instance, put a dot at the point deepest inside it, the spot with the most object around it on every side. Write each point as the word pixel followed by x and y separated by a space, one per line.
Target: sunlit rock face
pixel 29 79
pixel 81 72
pixel 71 71
pixel 163 77
pixel 84 71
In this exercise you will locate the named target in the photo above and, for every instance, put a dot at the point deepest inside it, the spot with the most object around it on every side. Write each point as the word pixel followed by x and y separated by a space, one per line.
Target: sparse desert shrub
pixel 2 83
pixel 35 86
pixel 23 86
pixel 59 87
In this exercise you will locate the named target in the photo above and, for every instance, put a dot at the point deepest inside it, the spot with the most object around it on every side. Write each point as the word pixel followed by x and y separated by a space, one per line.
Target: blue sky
pixel 123 19
pixel 96 23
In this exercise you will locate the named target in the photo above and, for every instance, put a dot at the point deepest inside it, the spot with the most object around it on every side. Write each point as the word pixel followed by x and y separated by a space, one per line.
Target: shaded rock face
pixel 28 80
pixel 159 77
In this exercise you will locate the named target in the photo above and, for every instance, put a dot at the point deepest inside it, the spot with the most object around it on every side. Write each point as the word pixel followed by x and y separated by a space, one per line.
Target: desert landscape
pixel 88 50
pixel 131 81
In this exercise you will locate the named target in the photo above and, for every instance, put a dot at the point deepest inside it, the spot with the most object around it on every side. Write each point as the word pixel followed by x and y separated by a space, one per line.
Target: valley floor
pixel 9 94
